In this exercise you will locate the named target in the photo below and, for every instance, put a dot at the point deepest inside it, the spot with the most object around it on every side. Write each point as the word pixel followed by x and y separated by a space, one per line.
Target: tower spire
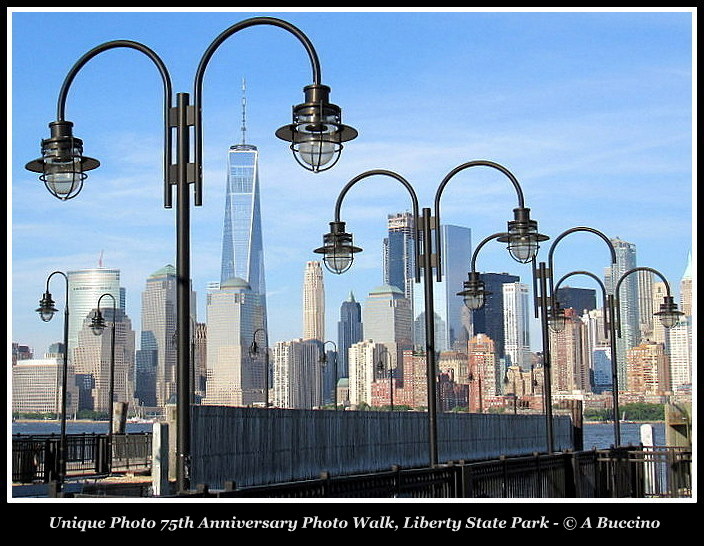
pixel 244 104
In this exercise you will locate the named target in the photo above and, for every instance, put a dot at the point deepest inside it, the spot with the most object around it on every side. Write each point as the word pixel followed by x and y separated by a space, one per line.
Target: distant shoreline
pixel 648 422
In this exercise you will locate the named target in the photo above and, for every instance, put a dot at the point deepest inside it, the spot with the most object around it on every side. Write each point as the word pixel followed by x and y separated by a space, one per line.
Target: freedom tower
pixel 242 247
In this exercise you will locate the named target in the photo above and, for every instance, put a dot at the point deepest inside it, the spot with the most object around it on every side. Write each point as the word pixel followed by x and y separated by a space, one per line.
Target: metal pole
pixel 334 387
pixel 547 380
pixel 266 377
pixel 430 335
pixel 391 382
pixel 112 387
pixel 183 312
pixel 64 382
pixel 614 368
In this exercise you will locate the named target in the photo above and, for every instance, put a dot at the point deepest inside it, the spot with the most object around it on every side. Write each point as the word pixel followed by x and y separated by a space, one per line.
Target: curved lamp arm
pixel 253 349
pixel 480 245
pixel 603 292
pixel 563 235
pixel 448 177
pixel 414 201
pixel 200 73
pixel 324 357
pixel 669 304
pixel 46 307
pixel 98 322
pixel 63 93
pixel 48 279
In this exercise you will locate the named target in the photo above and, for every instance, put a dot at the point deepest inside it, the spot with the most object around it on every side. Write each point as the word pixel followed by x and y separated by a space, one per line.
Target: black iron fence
pixel 36 458
pixel 614 473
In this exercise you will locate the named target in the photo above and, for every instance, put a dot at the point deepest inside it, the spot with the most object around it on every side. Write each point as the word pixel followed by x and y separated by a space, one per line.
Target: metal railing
pixel 631 472
pixel 35 458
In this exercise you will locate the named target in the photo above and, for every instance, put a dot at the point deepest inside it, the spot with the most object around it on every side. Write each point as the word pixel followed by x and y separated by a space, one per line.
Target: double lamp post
pixel 316 136
pixel 338 252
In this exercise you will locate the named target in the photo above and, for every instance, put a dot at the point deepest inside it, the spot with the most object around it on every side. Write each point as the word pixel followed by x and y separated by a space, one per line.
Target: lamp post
pixel 544 301
pixel 338 253
pixel 557 324
pixel 97 325
pixel 253 352
pixel 316 135
pixel 46 312
pixel 324 361
pixel 381 368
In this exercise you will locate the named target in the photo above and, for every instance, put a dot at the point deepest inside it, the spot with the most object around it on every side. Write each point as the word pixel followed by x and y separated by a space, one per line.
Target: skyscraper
pixel 86 286
pixel 242 244
pixel 297 374
pixel 628 298
pixel 363 359
pixel 484 376
pixel 349 332
pixel 313 302
pixel 452 318
pixel 399 253
pixel 489 319
pixel 516 324
pixel 234 378
pixel 93 359
pixel 686 288
pixel 579 299
pixel 156 359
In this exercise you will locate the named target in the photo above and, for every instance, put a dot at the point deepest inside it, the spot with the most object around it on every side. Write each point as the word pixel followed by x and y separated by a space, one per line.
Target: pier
pixel 255 452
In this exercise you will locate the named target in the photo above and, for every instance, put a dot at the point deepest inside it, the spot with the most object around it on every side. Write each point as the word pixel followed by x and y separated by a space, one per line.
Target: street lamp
pixel 338 253
pixel 474 293
pixel 669 315
pixel 557 320
pixel 46 312
pixel 324 361
pixel 97 325
pixel 544 300
pixel 316 135
pixel 253 352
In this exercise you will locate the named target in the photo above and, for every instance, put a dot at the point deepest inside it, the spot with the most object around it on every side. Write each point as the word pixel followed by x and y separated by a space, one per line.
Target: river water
pixel 595 434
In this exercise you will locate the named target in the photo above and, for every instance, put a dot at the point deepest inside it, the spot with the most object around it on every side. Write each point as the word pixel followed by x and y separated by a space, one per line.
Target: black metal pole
pixel 266 377
pixel 614 367
pixel 391 385
pixel 112 388
pixel 183 311
pixel 64 382
pixel 430 336
pixel 334 386
pixel 547 380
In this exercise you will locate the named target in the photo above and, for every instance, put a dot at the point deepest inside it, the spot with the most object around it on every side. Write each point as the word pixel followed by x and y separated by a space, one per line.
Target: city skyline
pixel 620 124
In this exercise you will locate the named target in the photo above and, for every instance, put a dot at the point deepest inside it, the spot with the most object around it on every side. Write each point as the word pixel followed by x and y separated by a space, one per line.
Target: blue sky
pixel 591 111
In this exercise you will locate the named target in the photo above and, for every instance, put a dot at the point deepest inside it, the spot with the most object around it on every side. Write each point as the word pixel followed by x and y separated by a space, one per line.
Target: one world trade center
pixel 242 247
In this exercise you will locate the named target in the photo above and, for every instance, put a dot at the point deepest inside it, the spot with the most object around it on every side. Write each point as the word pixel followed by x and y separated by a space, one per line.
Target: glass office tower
pixel 242 246
pixel 452 318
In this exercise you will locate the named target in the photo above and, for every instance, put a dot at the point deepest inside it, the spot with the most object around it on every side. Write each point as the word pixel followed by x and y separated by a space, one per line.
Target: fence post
pixel 101 453
pixel 324 483
pixel 160 458
pixel 570 475
pixel 538 476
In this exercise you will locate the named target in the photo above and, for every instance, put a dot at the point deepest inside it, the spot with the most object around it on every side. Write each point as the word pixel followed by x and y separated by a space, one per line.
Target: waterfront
pixel 599 435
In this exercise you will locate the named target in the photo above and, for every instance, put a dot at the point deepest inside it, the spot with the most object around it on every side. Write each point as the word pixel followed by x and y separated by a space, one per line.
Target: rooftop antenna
pixel 244 104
